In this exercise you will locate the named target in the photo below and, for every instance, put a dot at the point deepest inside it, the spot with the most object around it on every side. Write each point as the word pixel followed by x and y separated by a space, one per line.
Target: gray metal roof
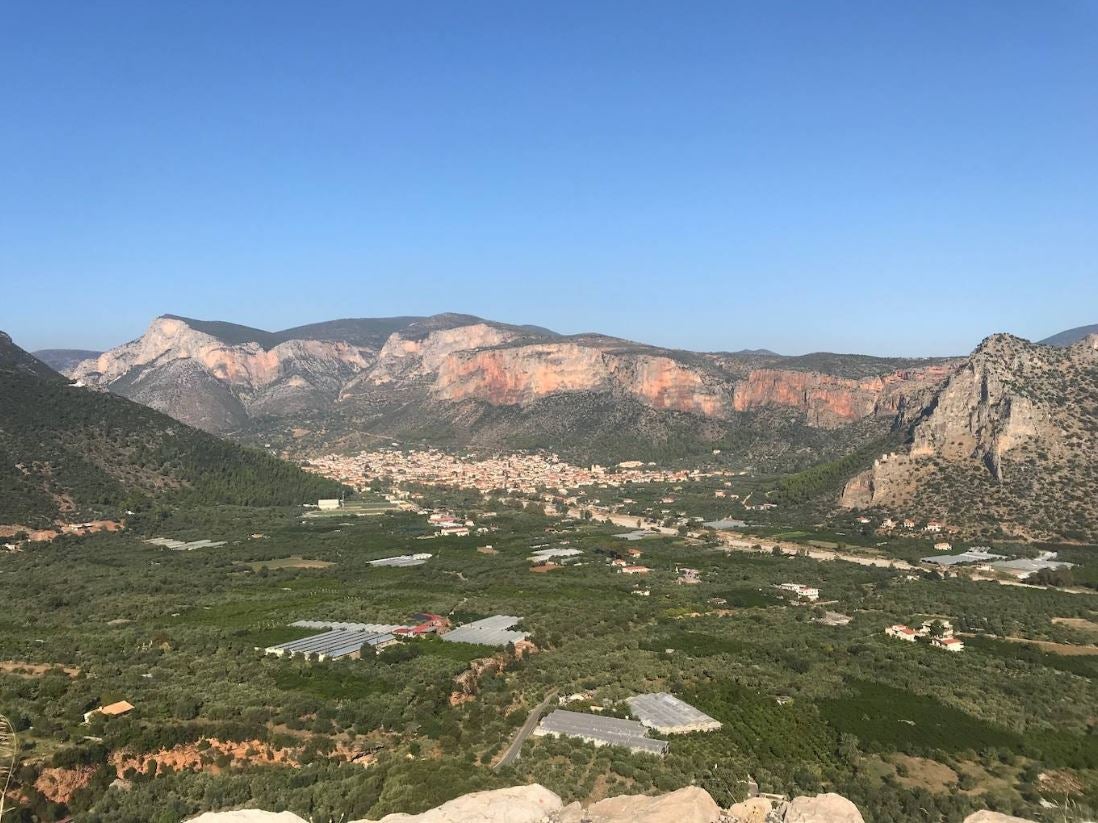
pixel 1029 565
pixel 971 556
pixel 336 643
pixel 727 523
pixel 612 730
pixel 184 546
pixel 375 628
pixel 491 631
pixel 402 560
pixel 545 554
pixel 664 711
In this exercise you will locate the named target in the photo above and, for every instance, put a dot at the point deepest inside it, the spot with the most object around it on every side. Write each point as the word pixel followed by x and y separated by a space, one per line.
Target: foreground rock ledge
pixel 536 804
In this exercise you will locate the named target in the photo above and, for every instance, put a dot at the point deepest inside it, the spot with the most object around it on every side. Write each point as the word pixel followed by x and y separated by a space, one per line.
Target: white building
pixel 800 590
pixel 901 632
pixel 950 644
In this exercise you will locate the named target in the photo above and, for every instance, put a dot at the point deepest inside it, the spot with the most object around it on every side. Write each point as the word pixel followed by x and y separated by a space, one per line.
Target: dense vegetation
pixel 858 713
pixel 75 453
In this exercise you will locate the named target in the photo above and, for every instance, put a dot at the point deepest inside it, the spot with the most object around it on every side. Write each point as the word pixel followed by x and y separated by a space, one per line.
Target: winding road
pixel 515 747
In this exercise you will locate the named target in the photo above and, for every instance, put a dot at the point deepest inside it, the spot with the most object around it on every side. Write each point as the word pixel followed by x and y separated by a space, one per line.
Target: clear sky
pixel 889 178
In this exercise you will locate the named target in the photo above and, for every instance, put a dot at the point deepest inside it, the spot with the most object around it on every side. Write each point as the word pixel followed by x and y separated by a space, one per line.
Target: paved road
pixel 513 750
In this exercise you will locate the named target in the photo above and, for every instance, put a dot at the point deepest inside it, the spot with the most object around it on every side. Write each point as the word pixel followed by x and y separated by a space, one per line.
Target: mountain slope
pixel 63 360
pixel 1006 448
pixel 1070 337
pixel 68 453
pixel 464 380
pixel 14 359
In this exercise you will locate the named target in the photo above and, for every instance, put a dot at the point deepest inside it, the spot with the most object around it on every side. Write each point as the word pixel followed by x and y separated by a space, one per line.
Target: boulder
pixel 688 805
pixel 995 817
pixel 823 808
pixel 752 810
pixel 518 804
pixel 247 816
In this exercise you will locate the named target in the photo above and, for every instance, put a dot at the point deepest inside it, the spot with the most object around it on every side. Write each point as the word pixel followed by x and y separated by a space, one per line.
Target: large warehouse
pixel 666 714
pixel 333 644
pixel 602 731
pixel 491 631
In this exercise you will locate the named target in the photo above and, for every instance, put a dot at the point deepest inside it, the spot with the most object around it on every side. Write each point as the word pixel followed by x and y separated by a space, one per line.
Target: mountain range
pixel 1013 423
pixel 460 380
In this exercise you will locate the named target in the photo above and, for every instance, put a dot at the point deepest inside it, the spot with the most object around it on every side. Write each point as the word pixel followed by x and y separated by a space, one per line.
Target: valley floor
pixel 807 701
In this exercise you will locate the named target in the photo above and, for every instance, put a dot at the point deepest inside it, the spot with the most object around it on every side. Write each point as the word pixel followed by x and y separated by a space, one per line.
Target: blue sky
pixel 889 178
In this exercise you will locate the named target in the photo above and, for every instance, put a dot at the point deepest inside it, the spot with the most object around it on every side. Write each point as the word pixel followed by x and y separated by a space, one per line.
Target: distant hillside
pixel 14 359
pixel 1069 337
pixel 371 331
pixel 63 360
pixel 70 453
pixel 1006 448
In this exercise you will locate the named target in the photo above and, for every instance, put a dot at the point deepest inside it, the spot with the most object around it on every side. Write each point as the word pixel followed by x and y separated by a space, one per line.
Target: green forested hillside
pixel 73 453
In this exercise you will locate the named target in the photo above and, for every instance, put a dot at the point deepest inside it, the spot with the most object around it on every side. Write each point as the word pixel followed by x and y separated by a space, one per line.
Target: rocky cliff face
pixel 1012 434
pixel 198 378
pixel 828 400
pixel 519 375
pixel 221 376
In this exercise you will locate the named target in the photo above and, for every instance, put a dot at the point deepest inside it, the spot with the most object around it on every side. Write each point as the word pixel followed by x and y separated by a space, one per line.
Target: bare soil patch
pixel 919 772
pixel 23 669
pixel 59 785
pixel 290 563
pixel 1065 649
pixel 1080 624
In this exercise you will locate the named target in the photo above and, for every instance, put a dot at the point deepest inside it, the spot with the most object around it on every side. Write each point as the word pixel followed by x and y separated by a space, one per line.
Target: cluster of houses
pixel 888 524
pixel 447 525
pixel 938 632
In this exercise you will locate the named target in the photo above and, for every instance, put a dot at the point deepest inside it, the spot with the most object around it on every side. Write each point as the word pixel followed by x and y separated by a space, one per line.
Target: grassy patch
pixel 1084 666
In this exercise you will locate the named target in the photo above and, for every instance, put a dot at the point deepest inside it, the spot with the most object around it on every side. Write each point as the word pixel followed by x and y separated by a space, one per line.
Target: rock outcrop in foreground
pixel 536 804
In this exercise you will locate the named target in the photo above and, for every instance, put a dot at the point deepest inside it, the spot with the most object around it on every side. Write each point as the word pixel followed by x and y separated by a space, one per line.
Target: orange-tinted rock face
pixel 830 401
pixel 520 375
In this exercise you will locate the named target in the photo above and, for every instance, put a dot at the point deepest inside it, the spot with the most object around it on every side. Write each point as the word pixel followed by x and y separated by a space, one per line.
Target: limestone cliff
pixel 518 375
pixel 829 400
pixel 1011 437
pixel 201 379
pixel 434 372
